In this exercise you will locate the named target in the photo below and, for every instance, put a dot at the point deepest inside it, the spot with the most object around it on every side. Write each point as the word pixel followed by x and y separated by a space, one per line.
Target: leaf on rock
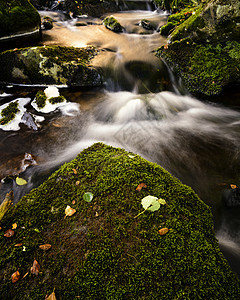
pixel 69 211
pixel 35 268
pixel 15 277
pixel 45 247
pixel 14 226
pixel 74 171
pixel 233 186
pixel 18 245
pixel 88 197
pixel 74 202
pixel 140 186
pixel 20 181
pixel 150 203
pixel 162 201
pixel 163 231
pixel 9 233
pixel 52 296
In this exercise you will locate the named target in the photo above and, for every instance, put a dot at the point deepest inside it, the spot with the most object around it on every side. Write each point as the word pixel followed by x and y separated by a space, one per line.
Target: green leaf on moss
pixel 150 203
pixel 88 197
pixel 161 201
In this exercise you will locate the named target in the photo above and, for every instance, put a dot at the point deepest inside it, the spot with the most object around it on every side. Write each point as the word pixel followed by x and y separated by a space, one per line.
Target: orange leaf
pixel 45 247
pixel 15 277
pixel 140 186
pixel 14 226
pixel 9 233
pixel 25 275
pixel 74 171
pixel 52 296
pixel 35 268
pixel 73 202
pixel 163 231
pixel 18 245
pixel 69 211
pixel 233 186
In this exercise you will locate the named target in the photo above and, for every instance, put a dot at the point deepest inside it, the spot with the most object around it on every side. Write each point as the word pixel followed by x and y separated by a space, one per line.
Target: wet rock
pixel 53 65
pixel 112 24
pixel 146 24
pixel 47 23
pixel 18 23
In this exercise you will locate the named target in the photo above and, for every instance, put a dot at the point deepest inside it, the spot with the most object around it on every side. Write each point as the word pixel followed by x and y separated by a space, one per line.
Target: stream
pixel 142 107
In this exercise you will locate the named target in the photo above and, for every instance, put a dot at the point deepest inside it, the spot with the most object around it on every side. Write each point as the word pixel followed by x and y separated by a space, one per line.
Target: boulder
pixel 19 20
pixel 112 24
pixel 114 245
pixel 48 65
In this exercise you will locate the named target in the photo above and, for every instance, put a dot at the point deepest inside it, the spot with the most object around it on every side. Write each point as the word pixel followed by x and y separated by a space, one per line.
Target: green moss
pixel 9 113
pixel 102 251
pixel 41 99
pixel 112 24
pixel 58 99
pixel 17 15
pixel 165 29
pixel 176 5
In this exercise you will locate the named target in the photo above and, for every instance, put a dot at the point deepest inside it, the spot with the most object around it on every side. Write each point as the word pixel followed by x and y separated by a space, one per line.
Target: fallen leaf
pixel 88 197
pixel 24 248
pixel 14 226
pixel 73 202
pixel 140 186
pixel 0 228
pixel 77 182
pixel 162 201
pixel 35 268
pixel 163 231
pixel 233 186
pixel 9 233
pixel 131 156
pixel 69 211
pixel 150 203
pixel 45 247
pixel 52 296
pixel 18 245
pixel 15 277
pixel 25 275
pixel 20 181
pixel 74 171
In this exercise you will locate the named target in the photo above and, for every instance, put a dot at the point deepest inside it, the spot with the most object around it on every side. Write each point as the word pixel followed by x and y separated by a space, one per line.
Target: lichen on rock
pixel 102 251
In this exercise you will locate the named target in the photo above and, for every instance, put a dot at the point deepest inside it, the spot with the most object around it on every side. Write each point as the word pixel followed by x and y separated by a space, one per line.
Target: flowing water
pixel 143 108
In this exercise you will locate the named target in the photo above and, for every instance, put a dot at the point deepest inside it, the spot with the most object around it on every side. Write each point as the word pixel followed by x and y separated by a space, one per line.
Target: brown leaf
pixel 69 211
pixel 9 233
pixel 18 245
pixel 74 202
pixel 35 268
pixel 233 186
pixel 52 296
pixel 14 226
pixel 0 228
pixel 140 186
pixel 15 277
pixel 45 247
pixel 163 231
pixel 74 171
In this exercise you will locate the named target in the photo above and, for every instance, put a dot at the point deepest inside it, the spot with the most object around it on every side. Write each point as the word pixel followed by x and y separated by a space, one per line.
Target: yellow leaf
pixel 14 226
pixel 69 211
pixel 52 296
pixel 15 277
pixel 20 181
pixel 233 186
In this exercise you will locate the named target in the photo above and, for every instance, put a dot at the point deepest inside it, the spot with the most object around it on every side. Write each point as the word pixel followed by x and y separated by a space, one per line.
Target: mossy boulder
pixel 204 47
pixel 18 17
pixel 112 24
pixel 49 65
pixel 103 251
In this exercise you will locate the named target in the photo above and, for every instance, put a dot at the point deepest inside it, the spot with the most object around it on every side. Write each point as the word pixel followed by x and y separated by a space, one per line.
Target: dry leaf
pixel 163 231
pixel 25 275
pixel 77 182
pixel 14 226
pixel 74 171
pixel 9 233
pixel 35 268
pixel 140 186
pixel 52 296
pixel 45 247
pixel 15 277
pixel 0 228
pixel 18 245
pixel 69 211
pixel 73 202
pixel 233 186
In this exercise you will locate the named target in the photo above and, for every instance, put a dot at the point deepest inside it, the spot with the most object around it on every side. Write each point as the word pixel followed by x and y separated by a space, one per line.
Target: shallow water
pixel 142 108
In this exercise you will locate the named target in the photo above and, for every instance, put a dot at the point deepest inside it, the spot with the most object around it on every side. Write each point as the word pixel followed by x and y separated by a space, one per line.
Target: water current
pixel 143 108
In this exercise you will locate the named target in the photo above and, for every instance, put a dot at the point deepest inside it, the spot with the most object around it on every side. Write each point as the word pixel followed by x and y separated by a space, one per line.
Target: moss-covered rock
pixel 9 113
pixel 18 17
pixel 49 65
pixel 112 24
pixel 103 251
pixel 202 45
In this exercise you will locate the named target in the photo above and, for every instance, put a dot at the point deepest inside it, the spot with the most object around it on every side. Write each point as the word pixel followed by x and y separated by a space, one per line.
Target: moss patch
pixel 112 24
pixel 102 251
pixel 9 113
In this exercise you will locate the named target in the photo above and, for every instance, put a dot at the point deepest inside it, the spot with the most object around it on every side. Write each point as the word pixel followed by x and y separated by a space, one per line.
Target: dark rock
pixel 112 24
pixel 47 23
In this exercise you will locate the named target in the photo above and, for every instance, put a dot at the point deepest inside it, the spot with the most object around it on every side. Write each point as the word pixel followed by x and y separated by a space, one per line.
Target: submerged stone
pixel 103 251
pixel 112 24
pixel 52 65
